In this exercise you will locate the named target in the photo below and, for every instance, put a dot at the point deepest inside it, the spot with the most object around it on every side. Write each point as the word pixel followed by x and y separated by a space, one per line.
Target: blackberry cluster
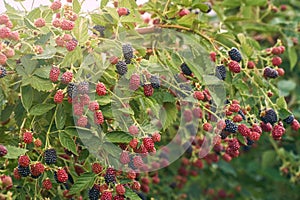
pixel 109 178
pixel 72 90
pixel 270 73
pixel 127 52
pixel 100 30
pixel 155 82
pixel 24 171
pixel 121 68
pixel 2 72
pixel 235 55
pixel 185 69
pixel 230 126
pixel 289 119
pixel 221 72
pixel 50 156
pixel 94 193
pixel 269 116
pixel 83 87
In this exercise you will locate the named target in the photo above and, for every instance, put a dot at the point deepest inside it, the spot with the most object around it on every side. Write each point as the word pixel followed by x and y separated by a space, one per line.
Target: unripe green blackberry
pixel 185 69
pixel 235 54
pixel 221 72
pixel 121 67
pixel 2 72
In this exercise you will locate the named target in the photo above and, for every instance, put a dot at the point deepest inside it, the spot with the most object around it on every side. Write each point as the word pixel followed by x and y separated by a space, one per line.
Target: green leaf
pixel 29 24
pixel 168 115
pixel 71 131
pixel 187 20
pixel 118 137
pixel 40 84
pixel 40 109
pixel 76 6
pixel 226 167
pixel 67 142
pixel 83 182
pixel 14 152
pixel 284 113
pixel 285 87
pixel 268 159
pixel 72 57
pixel 60 117
pixel 131 194
pixel 43 72
pixel 29 64
pixel 202 6
pixel 80 30
pixel 256 2
pixel 49 52
pixel 281 103
pixel 27 97
pixel 103 3
pixel 293 57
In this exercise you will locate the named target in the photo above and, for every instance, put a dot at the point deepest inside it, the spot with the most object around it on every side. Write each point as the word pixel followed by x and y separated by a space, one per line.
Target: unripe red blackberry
pixel 71 45
pixel 123 11
pixel 221 72
pixel 62 176
pixel 27 137
pixel 101 89
pixel 17 175
pixel 207 127
pixel 138 161
pixel 40 22
pixel 93 106
pixel 199 95
pixel 280 71
pixel 4 32
pixel 235 55
pixel 250 65
pixel 124 157
pixel 36 170
pixel 23 161
pixel 106 196
pixel 56 23
pixel 82 121
pixel 133 130
pixel 3 60
pixel 56 5
pixel 97 168
pixel 58 97
pixel 148 90
pixel 156 137
pixel 3 150
pixel 234 66
pixel 120 189
pixel 237 118
pixel 148 144
pixel 244 130
pixel 276 61
pixel 266 127
pixel 98 117
pixel 134 82
pixel 67 25
pixel 67 77
pixel 254 136
pixel 277 132
pixel 133 143
pixel 54 74
pixel 295 125
pixel 83 87
pixel 4 18
pixel 47 184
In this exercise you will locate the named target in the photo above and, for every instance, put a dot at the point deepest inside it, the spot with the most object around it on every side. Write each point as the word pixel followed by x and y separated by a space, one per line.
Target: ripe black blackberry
pixel 2 72
pixel 72 90
pixel 35 177
pixel 127 52
pixel 94 193
pixel 121 67
pixel 99 30
pixel 24 171
pixel 50 156
pixel 221 72
pixel 185 69
pixel 269 116
pixel 130 164
pixel 270 73
pixel 109 178
pixel 83 87
pixel 240 112
pixel 289 119
pixel 155 82
pixel 235 54
pixel 230 126
pixel 223 135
